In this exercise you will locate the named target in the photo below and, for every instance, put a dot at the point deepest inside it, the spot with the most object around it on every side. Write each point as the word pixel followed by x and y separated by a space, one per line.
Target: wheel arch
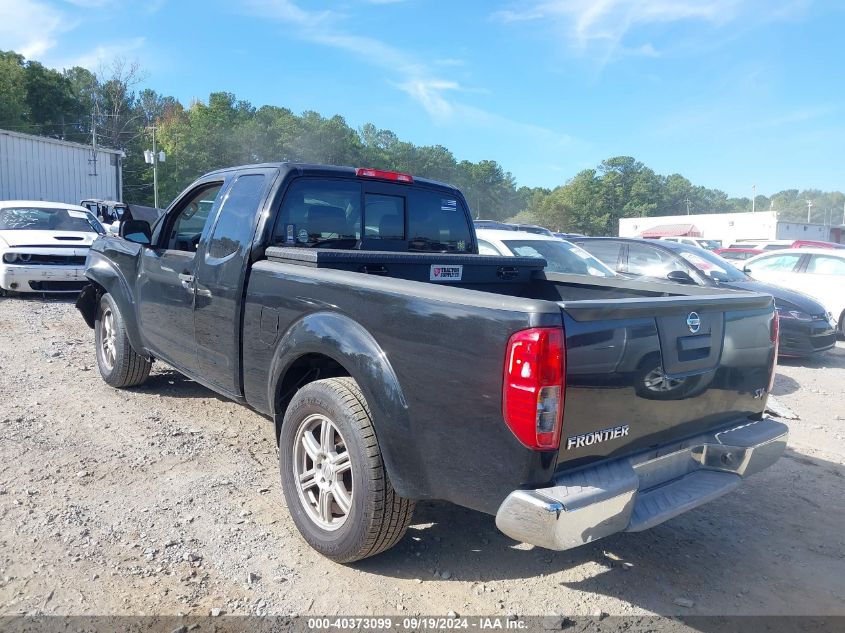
pixel 327 344
pixel 105 278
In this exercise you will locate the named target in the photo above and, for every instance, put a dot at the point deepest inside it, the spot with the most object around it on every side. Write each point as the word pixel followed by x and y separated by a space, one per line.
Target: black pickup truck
pixel 352 308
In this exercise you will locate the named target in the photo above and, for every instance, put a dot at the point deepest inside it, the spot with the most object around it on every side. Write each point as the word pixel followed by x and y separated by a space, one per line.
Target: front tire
pixel 119 364
pixel 333 477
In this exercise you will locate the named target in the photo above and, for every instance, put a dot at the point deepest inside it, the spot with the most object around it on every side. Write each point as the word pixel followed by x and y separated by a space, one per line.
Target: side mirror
pixel 680 277
pixel 137 231
pixel 746 269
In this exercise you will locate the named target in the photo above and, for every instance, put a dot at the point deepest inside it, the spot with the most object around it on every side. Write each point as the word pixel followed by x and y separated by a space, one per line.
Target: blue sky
pixel 730 93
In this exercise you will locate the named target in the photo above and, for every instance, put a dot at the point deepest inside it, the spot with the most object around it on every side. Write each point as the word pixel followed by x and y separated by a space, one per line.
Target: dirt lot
pixel 166 500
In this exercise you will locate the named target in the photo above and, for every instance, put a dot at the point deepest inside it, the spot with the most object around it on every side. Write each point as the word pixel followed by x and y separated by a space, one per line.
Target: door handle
pixel 187 281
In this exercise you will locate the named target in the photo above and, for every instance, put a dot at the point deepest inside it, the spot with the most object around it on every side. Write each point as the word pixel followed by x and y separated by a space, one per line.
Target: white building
pixel 41 168
pixel 729 227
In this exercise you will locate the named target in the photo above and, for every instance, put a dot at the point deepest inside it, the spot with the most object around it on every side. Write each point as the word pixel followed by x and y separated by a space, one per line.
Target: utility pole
pixel 753 198
pixel 155 171
pixel 809 209
pixel 688 203
pixel 93 160
pixel 154 158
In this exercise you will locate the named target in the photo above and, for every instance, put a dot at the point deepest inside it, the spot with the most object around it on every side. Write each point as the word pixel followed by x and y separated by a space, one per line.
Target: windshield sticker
pixel 303 236
pixel 446 273
pixel 448 204
pixel 82 215
pixel 462 246
pixel 289 233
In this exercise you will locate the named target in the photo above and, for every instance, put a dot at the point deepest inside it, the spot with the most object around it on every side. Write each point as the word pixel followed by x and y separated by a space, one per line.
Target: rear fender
pixel 351 346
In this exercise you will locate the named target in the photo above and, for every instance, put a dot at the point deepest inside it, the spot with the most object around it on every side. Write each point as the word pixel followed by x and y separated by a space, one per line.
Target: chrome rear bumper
pixel 639 492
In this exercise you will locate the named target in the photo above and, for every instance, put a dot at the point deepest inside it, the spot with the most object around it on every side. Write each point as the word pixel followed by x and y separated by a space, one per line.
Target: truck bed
pixel 444 343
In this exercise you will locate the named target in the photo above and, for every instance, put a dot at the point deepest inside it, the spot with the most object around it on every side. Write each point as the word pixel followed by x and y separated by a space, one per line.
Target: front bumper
pixel 42 278
pixel 804 338
pixel 636 493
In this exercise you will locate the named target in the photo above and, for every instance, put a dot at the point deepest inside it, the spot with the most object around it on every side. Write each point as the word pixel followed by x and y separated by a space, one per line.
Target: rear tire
pixel 119 364
pixel 333 477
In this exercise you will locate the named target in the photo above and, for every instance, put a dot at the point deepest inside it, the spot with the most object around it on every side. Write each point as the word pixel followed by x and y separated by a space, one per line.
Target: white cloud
pixel 430 94
pixel 323 27
pixel 90 4
pixel 103 53
pixel 287 11
pixel 601 26
pixel 31 28
pixel 419 80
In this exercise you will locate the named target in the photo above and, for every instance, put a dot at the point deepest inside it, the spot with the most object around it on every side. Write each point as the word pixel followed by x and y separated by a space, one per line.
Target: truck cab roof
pixel 314 169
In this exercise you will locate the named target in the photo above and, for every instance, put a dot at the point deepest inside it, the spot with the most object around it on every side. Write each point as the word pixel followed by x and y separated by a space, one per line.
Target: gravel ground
pixel 166 500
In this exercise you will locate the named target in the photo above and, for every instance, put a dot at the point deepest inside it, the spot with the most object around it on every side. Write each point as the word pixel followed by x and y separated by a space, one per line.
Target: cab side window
pixel 187 227
pixel 236 220
pixel 318 211
pixel 784 263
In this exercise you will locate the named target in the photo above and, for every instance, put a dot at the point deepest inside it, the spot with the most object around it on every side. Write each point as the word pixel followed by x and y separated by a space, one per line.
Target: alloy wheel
pixel 108 338
pixel 322 471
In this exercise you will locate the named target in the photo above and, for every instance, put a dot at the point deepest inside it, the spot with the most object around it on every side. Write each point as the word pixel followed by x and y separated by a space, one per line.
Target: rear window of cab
pixel 345 213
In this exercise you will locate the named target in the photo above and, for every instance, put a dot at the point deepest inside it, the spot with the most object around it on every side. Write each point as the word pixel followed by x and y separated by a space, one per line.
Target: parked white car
pixel 707 245
pixel 561 256
pixel 818 272
pixel 43 245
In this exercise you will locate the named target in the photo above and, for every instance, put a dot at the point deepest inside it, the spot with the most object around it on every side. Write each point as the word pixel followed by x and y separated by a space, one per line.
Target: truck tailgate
pixel 643 373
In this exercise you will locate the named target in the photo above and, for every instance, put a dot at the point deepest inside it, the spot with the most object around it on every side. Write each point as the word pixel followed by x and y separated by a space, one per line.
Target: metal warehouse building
pixel 41 168
pixel 729 227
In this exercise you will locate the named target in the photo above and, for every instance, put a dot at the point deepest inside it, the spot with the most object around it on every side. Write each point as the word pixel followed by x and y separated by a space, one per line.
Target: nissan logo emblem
pixel 693 322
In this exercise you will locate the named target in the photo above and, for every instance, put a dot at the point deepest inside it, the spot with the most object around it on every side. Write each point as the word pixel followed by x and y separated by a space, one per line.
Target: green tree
pixel 14 113
pixel 578 206
pixel 50 101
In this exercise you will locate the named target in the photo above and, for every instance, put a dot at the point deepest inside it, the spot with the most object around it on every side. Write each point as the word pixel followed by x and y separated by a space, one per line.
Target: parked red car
pixel 815 244
pixel 738 253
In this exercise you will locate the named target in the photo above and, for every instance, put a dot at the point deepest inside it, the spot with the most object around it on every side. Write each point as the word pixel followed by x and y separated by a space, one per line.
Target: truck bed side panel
pixel 446 347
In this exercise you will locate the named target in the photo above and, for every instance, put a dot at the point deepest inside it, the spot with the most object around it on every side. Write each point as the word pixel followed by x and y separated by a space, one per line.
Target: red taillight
pixel 363 172
pixel 532 394
pixel 775 339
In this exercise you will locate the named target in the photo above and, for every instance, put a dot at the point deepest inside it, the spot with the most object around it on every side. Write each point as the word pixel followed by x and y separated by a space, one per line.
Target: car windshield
pixel 47 219
pixel 709 244
pixel 561 257
pixel 711 264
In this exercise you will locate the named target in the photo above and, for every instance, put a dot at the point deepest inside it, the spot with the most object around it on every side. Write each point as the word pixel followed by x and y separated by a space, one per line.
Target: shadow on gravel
pixel 735 551
pixel 785 385
pixel 170 383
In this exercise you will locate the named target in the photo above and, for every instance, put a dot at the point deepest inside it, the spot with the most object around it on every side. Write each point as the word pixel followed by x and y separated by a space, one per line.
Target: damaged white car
pixel 43 246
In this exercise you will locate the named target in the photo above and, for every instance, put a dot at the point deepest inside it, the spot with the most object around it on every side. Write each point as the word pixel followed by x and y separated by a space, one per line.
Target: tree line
pixel 112 106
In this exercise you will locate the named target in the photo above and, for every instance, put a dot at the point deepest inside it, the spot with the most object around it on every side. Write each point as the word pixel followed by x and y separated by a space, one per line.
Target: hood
pixel 802 301
pixel 51 239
